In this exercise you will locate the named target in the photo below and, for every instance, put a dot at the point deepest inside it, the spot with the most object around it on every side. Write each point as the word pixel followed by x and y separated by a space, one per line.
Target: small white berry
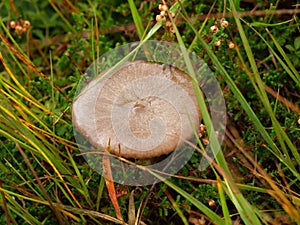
pixel 231 44
pixel 172 29
pixel 224 23
pixel 214 28
pixel 26 24
pixel 205 141
pixel 202 127
pixel 164 7
pixel 19 29
pixel 211 202
pixel 218 43
pixel 160 7
pixel 13 24
pixel 158 17
pixel 168 23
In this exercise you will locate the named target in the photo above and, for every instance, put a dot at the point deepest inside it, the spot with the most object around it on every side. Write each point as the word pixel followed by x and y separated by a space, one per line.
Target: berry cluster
pixel 163 14
pixel 19 26
pixel 202 134
pixel 215 29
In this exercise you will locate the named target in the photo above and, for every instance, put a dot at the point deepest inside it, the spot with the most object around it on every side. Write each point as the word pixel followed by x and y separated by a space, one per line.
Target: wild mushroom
pixel 144 109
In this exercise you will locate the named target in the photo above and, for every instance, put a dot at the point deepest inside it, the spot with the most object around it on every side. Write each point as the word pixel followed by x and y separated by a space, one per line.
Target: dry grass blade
pixel 12 75
pixel 58 216
pixel 131 209
pixel 109 182
pixel 30 66
pixel 283 100
pixel 176 207
pixel 90 213
pixel 5 205
pixel 277 193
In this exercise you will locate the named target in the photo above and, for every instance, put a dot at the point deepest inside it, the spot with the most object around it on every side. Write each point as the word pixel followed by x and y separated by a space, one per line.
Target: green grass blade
pixel 177 208
pixel 136 18
pixel 84 188
pixel 289 68
pixel 281 135
pixel 100 192
pixel 223 202
pixel 207 211
pixel 243 206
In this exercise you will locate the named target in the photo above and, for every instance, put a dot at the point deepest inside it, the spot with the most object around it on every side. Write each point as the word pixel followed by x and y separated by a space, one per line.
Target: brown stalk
pixel 58 216
pixel 248 13
pixel 277 193
pixel 5 209
pixel 131 28
pixel 13 7
pixel 283 100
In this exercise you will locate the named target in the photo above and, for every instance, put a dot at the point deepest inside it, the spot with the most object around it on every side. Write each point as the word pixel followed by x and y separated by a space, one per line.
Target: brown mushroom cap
pixel 145 109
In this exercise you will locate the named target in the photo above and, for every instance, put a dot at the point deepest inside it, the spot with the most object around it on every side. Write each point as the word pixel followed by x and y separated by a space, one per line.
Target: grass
pixel 254 178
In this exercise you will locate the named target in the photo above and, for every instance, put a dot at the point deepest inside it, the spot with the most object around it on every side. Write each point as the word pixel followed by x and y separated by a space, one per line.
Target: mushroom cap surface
pixel 143 109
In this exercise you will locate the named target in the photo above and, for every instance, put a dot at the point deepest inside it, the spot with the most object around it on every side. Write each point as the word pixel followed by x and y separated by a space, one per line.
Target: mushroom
pixel 143 109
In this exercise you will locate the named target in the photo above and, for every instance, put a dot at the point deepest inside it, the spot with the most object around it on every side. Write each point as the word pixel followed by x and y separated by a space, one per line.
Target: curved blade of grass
pixel 83 184
pixel 238 95
pixel 289 68
pixel 207 211
pixel 12 76
pixel 277 194
pixel 281 135
pixel 21 107
pixel 131 209
pixel 59 207
pixel 100 191
pixel 223 202
pixel 243 206
pixel 202 105
pixel 260 24
pixel 41 186
pixel 136 18
pixel 30 100
pixel 22 212
pixel 19 172
pixel 295 77
pixel 176 207
pixel 91 214
pixel 25 134
pixel 62 16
